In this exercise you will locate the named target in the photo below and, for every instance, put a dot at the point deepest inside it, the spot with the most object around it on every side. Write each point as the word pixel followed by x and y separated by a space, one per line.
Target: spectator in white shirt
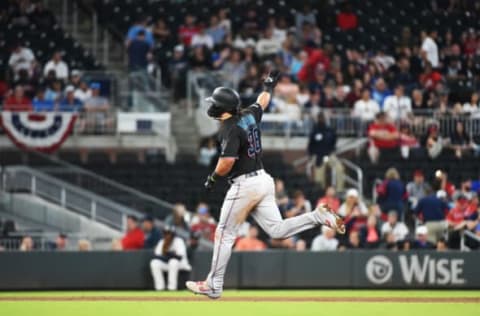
pixel 58 65
pixel 268 45
pixel 326 241
pixel 472 107
pixel 21 58
pixel 392 225
pixel 366 108
pixel 202 38
pixel 83 92
pixel 398 106
pixel 429 49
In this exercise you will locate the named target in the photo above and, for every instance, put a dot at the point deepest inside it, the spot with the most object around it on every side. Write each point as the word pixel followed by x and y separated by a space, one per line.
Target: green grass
pixel 217 308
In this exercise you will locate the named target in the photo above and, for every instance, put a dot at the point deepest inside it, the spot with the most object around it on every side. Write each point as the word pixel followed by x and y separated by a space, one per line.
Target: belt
pixel 247 175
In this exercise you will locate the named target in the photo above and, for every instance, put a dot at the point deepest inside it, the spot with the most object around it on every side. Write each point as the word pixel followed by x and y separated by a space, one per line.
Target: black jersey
pixel 239 137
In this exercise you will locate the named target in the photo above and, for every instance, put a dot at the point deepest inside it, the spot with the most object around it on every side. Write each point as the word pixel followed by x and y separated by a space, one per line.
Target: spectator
pixel 458 219
pixel 330 199
pixel 54 91
pixel 18 102
pixel 170 257
pixel 268 45
pixel 354 242
pixel 179 217
pixel 306 15
pixel 380 92
pixel 83 92
pixel 441 245
pixel 216 31
pixel 431 211
pixel 235 67
pixel 299 206
pixel 418 102
pixel 325 241
pixel 393 226
pixel 429 49
pixel 70 103
pixel 26 244
pixel 202 38
pixel 60 243
pixel 433 142
pixel 370 234
pixel 207 153
pixel 134 238
pixel 441 183
pixel 225 21
pixel 417 189
pixel 139 26
pixel 251 241
pixel 75 78
pixel 177 67
pixel 58 66
pixel 98 106
pixel 84 245
pixel 366 108
pixel 421 240
pixel 138 51
pixel 472 107
pixel 398 106
pixel 281 197
pixel 384 138
pixel 391 192
pixel 152 234
pixel 204 223
pixel 40 103
pixel 460 140
pixel 408 141
pixel 22 58
pixel 321 146
pixel 187 30
pixel 200 59
pixel 161 31
pixel 353 210
pixel 347 20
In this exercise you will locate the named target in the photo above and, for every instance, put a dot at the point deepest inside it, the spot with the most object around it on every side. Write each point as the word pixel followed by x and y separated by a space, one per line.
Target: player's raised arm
pixel 268 85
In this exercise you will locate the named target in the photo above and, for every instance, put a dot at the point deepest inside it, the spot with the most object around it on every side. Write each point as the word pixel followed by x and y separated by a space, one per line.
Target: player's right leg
pixel 267 215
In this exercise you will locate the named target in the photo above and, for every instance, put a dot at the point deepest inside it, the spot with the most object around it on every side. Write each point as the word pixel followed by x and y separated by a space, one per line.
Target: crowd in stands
pixel 28 85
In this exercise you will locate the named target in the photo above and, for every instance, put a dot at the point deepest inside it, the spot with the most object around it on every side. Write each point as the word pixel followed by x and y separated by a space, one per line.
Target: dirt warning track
pixel 461 300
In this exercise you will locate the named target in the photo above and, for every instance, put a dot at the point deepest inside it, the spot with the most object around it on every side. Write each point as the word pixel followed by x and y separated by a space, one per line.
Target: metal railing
pixel 80 201
pixel 466 234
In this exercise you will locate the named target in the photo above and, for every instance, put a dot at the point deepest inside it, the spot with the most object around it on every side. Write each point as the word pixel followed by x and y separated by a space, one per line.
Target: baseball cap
pixel 76 72
pixel 202 210
pixel 69 89
pixel 352 192
pixel 95 85
pixel 418 173
pixel 421 230
pixel 179 48
pixel 441 194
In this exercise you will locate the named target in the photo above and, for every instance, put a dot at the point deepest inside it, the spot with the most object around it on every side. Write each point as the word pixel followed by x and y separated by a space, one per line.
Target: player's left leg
pixel 173 267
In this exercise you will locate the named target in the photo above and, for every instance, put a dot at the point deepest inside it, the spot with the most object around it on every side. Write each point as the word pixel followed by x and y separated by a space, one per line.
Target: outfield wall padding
pixel 269 269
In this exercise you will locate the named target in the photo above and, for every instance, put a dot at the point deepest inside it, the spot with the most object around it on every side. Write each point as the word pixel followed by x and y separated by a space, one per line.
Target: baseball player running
pixel 252 188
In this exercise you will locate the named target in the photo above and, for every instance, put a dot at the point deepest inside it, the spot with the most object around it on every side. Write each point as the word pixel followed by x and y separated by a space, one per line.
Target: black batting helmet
pixel 223 100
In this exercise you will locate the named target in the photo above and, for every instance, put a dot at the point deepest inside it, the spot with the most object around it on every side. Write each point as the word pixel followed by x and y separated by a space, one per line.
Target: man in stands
pixel 347 19
pixel 398 106
pixel 139 26
pixel 134 238
pixel 202 38
pixel 58 65
pixel 431 210
pixel 22 58
pixel 152 234
pixel 138 51
pixel 70 103
pixel 187 30
pixel 321 144
pixel 418 188
pixel 326 241
pixel 421 241
pixel 18 102
pixel 40 103
pixel 429 49
pixel 366 108
pixel 268 45
pixel 392 225
pixel 205 225
pixel 330 199
pixel 251 241
pixel 97 108
pixel 384 137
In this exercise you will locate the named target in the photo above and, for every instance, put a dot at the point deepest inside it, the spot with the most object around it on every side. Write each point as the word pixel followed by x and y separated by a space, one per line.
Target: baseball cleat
pixel 201 287
pixel 331 219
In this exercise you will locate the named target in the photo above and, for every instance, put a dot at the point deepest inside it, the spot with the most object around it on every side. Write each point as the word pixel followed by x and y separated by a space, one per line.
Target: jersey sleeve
pixel 256 110
pixel 230 144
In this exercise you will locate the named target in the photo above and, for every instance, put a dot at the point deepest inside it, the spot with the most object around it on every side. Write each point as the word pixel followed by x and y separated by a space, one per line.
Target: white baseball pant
pixel 157 267
pixel 256 196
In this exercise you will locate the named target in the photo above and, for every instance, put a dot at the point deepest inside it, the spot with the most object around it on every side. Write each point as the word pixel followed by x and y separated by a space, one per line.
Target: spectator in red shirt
pixel 461 216
pixel 442 183
pixel 18 102
pixel 251 241
pixel 346 19
pixel 186 31
pixel 384 137
pixel 205 225
pixel 134 238
pixel 330 198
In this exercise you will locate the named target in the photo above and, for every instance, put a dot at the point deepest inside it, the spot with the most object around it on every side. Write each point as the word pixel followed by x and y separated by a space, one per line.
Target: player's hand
pixel 209 183
pixel 271 81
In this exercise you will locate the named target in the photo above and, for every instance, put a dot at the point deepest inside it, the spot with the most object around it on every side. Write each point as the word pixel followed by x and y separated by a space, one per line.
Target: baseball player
pixel 252 188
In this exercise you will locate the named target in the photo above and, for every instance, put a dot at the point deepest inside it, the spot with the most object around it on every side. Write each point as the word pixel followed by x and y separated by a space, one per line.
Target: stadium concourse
pixel 398 80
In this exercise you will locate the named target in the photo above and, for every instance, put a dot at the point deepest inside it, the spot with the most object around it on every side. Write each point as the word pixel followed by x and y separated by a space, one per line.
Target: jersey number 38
pixel 254 144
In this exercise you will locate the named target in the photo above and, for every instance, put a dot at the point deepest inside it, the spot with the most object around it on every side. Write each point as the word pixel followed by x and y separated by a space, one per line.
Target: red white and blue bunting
pixel 38 131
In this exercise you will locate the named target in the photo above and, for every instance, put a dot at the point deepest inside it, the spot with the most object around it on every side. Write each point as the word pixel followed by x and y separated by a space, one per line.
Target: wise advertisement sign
pixel 450 269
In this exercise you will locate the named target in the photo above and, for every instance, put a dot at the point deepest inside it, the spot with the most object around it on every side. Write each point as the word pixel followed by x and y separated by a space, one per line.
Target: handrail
pixel 469 234
pixel 359 173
